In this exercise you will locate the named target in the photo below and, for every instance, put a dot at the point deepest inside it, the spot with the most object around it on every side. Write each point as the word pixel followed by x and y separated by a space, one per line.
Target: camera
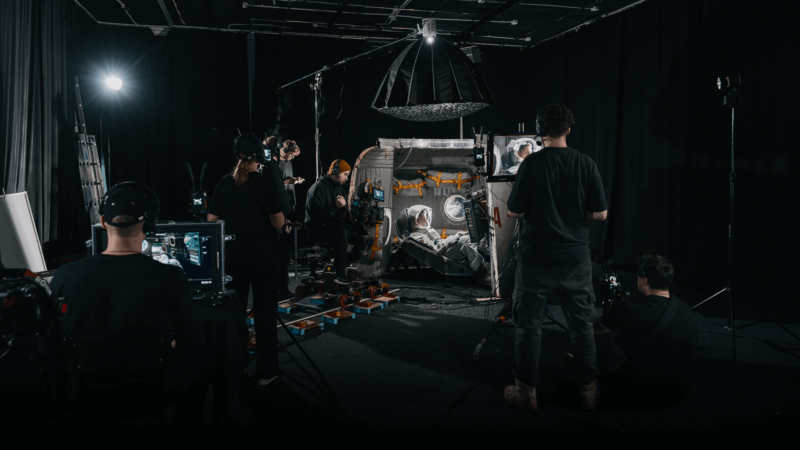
pixel 25 305
pixel 366 211
pixel 611 289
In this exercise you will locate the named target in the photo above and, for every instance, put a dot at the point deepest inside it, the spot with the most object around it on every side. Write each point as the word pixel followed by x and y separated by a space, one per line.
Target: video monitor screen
pixel 193 247
pixel 378 194
pixel 192 251
pixel 507 151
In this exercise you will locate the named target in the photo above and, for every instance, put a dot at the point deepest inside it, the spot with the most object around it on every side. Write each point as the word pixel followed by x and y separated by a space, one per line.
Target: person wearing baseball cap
pixel 327 215
pixel 121 295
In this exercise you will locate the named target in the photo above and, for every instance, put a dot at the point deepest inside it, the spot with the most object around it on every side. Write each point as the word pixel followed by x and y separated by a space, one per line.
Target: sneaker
pixel 590 396
pixel 522 395
pixel 342 280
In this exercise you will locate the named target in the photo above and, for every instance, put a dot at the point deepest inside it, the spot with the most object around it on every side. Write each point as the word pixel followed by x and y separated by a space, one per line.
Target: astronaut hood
pixel 517 144
pixel 407 220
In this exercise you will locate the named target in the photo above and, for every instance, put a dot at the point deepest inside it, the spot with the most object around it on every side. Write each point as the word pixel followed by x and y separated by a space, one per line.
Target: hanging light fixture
pixel 432 80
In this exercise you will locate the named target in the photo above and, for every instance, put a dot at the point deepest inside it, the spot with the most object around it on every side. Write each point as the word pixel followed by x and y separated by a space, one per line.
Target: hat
pixel 128 201
pixel 343 167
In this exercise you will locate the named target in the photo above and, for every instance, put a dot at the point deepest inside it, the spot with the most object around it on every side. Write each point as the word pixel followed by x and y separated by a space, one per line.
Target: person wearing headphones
pixel 327 215
pixel 647 344
pixel 252 206
pixel 123 294
pixel 282 158
pixel 556 193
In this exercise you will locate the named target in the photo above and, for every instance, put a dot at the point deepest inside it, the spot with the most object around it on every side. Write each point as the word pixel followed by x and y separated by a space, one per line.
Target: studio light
pixel 433 82
pixel 430 40
pixel 114 83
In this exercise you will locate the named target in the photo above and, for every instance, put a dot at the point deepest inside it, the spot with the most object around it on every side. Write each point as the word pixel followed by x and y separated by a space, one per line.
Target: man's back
pixel 129 296
pixel 670 358
pixel 555 187
pixel 321 203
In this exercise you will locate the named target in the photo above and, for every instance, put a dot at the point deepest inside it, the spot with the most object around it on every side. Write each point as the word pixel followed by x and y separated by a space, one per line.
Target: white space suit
pixel 456 247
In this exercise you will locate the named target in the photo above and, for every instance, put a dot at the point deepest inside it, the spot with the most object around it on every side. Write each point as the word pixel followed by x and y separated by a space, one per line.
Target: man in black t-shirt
pixel 557 192
pixel 656 363
pixel 123 295
pixel 327 216
pixel 252 205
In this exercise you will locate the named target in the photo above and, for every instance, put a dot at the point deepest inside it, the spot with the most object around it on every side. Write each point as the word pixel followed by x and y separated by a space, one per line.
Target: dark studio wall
pixel 641 85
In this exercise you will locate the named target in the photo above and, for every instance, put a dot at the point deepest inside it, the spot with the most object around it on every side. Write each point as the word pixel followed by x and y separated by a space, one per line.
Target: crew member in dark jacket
pixel 327 216
pixel 639 366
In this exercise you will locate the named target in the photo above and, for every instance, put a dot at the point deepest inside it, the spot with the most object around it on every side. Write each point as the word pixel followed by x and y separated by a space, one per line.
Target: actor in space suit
pixel 414 223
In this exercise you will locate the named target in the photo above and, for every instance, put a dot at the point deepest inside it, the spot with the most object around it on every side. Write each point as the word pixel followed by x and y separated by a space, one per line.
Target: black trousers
pixel 338 236
pixel 286 251
pixel 572 284
pixel 251 264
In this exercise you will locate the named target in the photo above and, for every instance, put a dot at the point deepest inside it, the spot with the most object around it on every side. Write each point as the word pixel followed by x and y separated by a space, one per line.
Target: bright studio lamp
pixel 114 83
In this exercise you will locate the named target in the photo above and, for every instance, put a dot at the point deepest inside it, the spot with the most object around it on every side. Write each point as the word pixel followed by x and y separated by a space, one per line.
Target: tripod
pixel 500 320
pixel 730 100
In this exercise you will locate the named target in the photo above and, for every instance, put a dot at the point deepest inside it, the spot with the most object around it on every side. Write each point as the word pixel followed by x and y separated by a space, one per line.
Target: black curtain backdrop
pixel 34 106
pixel 642 86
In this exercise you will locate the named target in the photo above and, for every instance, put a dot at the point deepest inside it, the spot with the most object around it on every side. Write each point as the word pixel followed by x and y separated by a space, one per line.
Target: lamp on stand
pixel 731 100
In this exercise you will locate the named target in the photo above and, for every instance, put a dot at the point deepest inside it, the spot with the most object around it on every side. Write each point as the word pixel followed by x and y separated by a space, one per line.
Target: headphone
pixel 541 128
pixel 150 216
pixel 335 167
pixel 258 155
pixel 640 271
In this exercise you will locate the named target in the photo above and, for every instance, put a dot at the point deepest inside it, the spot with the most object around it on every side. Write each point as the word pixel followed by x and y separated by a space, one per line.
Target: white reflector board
pixel 19 243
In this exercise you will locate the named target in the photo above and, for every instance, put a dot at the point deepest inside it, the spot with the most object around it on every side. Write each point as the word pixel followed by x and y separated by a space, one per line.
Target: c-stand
pixel 730 100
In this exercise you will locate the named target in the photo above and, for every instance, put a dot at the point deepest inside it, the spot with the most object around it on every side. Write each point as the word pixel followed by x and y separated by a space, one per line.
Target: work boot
pixel 522 395
pixel 590 396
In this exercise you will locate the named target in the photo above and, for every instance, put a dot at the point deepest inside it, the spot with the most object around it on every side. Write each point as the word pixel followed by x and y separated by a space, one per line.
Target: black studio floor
pixel 410 367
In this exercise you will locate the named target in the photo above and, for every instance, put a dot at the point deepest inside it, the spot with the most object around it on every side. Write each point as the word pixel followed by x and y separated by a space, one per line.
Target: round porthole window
pixel 454 208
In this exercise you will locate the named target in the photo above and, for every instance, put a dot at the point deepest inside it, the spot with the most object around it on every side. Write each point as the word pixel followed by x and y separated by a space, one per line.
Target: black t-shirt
pixel 287 172
pixel 670 358
pixel 130 295
pixel 321 203
pixel 246 208
pixel 554 188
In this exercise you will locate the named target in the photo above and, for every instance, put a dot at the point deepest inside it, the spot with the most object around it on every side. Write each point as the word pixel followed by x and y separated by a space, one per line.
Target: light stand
pixel 316 86
pixel 318 101
pixel 730 100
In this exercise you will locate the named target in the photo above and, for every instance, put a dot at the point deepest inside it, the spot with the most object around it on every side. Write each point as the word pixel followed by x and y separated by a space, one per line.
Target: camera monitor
pixel 377 194
pixel 506 152
pixel 196 248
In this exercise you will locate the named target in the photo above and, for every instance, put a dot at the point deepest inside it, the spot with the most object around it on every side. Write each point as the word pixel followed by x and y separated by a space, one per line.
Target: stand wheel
pixel 374 292
pixel 300 291
pixel 356 297
pixel 384 289
pixel 342 300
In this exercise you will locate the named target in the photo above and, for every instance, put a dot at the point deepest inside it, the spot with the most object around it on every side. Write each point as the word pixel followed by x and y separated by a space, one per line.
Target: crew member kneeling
pixel 252 206
pixel 124 296
pixel 658 341
pixel 327 216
